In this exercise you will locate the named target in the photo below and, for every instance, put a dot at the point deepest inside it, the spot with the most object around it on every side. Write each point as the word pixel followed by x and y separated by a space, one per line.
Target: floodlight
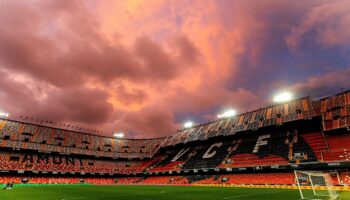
pixel 283 97
pixel 118 135
pixel 228 113
pixel 3 114
pixel 188 124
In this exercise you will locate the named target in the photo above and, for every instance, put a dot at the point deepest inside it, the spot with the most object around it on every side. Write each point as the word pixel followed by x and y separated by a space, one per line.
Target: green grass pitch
pixel 71 192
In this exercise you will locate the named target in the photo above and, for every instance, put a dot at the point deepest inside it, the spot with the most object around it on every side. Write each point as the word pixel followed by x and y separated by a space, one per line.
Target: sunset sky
pixel 145 66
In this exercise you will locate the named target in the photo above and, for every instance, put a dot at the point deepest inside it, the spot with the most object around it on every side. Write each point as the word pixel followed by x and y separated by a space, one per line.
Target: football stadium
pixel 174 100
pixel 295 147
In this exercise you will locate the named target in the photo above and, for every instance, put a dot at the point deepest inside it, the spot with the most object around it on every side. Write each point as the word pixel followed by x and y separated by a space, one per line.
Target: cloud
pixel 157 64
pixel 69 46
pixel 144 67
pixel 186 50
pixel 324 85
pixel 148 122
pixel 75 104
pixel 325 25
pixel 89 106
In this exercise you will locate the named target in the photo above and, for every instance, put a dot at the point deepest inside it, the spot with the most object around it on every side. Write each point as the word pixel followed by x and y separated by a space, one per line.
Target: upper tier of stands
pixel 18 135
pixel 336 111
pixel 274 115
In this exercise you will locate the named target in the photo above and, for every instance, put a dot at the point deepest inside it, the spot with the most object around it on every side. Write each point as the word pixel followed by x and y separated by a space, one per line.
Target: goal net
pixel 315 185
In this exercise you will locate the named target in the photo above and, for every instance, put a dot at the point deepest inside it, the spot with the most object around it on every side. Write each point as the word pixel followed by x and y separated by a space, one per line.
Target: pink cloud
pixel 331 81
pixel 135 65
pixel 329 22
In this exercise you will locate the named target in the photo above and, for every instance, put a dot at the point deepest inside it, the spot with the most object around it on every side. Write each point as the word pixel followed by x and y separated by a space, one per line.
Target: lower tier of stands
pixel 287 178
pixel 55 162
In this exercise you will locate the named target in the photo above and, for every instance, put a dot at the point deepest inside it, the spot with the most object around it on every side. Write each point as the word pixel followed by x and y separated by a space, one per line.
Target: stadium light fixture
pixel 118 135
pixel 3 114
pixel 283 97
pixel 228 113
pixel 188 124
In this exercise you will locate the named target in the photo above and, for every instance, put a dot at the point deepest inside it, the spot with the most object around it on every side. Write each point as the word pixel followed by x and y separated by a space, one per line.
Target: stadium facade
pixel 260 147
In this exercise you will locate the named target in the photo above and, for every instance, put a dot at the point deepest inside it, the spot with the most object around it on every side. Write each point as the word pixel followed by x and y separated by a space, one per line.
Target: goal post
pixel 315 185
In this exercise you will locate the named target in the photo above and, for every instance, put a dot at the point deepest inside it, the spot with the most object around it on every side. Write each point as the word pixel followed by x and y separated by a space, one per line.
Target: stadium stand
pixel 260 179
pixel 345 178
pixel 57 162
pixel 258 147
pixel 286 178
